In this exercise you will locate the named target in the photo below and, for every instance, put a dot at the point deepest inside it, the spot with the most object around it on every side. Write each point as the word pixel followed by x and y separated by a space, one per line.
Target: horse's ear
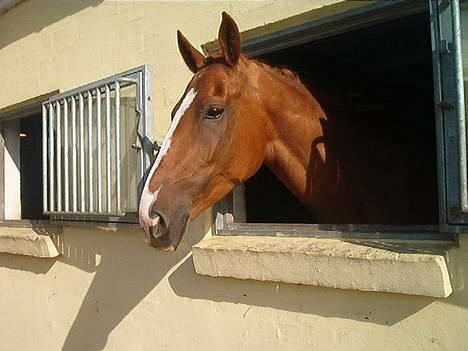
pixel 229 39
pixel 192 57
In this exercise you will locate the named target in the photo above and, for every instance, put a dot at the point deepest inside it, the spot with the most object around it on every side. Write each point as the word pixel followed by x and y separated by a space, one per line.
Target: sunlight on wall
pixel 109 290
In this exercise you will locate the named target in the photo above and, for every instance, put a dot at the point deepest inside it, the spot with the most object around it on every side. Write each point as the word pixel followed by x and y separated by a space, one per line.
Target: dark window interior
pixel 31 167
pixel 378 84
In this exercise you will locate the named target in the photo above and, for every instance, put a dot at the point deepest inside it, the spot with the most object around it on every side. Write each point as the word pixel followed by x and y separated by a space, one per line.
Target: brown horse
pixel 235 115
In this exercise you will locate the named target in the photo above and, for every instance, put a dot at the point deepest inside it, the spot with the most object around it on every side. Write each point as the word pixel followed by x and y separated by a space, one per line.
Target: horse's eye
pixel 214 113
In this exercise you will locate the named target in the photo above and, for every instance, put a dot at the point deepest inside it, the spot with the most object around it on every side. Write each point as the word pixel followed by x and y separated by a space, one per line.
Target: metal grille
pixel 93 146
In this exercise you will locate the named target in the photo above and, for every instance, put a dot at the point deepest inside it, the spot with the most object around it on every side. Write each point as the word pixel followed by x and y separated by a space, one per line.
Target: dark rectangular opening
pixel 31 167
pixel 377 83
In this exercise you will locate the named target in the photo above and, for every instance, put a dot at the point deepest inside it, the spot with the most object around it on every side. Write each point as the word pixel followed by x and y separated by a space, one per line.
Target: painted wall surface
pixel 109 290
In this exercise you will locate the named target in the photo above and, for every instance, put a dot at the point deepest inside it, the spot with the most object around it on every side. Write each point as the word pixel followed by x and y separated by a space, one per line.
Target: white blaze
pixel 148 197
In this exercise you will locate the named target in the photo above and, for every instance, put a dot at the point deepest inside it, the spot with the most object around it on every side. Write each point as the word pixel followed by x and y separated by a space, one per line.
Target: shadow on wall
pixel 31 264
pixel 324 302
pixel 22 25
pixel 458 269
pixel 126 271
pixel 456 261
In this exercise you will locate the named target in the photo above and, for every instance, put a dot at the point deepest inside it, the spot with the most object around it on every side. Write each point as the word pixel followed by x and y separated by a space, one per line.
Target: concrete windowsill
pixel 26 241
pixel 323 262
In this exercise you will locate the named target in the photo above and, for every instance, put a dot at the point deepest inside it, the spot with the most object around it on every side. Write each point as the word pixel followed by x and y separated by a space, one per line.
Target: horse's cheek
pixel 212 142
pixel 208 147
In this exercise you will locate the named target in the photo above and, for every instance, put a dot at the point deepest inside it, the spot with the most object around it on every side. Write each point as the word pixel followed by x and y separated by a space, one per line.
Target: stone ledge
pixel 25 241
pixel 322 262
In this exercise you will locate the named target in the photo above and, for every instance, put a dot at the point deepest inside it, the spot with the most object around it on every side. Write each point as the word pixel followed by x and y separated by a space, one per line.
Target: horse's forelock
pixel 214 58
pixel 217 57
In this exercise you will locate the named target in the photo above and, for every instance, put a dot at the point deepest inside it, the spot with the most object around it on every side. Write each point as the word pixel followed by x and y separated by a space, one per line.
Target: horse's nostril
pixel 158 226
pixel 156 220
pixel 152 214
pixel 156 231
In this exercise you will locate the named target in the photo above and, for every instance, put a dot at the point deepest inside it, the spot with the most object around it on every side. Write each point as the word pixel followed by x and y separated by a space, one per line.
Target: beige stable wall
pixel 61 44
pixel 108 289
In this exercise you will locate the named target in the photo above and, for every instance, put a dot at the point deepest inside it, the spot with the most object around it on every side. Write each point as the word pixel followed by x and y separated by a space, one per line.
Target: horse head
pixel 217 139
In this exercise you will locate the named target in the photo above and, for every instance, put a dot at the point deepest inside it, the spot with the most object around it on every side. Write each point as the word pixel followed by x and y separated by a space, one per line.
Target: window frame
pixel 144 98
pixel 23 109
pixel 229 212
pixel 146 144
pixel 451 117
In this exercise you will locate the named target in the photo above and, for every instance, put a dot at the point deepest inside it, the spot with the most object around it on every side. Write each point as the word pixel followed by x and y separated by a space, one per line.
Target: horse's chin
pixel 162 245
pixel 169 249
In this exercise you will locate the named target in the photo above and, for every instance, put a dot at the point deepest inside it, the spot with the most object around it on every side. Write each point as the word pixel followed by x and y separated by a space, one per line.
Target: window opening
pixel 30 140
pixel 379 98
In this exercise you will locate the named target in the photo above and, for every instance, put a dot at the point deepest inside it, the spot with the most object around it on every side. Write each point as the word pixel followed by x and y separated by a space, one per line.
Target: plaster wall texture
pixel 50 44
pixel 108 290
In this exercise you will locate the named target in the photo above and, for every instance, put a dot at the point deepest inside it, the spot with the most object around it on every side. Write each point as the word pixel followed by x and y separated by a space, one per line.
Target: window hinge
pixel 445 47
pixel 444 105
pixel 156 147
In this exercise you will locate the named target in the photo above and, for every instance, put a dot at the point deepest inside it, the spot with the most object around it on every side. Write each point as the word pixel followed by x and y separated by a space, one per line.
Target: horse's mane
pixel 281 71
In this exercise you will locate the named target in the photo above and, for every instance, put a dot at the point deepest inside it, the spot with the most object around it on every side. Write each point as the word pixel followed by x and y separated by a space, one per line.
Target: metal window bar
pixel 74 180
pixel 450 113
pixel 65 153
pixel 79 135
pixel 108 149
pixel 460 104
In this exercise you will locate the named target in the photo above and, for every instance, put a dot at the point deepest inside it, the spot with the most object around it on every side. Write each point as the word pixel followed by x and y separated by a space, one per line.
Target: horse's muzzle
pixel 166 233
pixel 156 234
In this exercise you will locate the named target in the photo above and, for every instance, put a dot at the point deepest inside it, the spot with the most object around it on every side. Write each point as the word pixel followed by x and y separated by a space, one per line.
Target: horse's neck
pixel 297 153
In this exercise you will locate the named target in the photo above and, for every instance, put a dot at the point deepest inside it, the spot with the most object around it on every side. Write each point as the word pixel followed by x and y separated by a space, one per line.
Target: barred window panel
pixel 94 154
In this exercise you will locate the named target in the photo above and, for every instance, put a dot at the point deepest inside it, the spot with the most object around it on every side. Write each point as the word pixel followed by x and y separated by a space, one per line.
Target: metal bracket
pixel 144 140
pixel 156 147
pixel 444 105
pixel 445 47
pixel 136 147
